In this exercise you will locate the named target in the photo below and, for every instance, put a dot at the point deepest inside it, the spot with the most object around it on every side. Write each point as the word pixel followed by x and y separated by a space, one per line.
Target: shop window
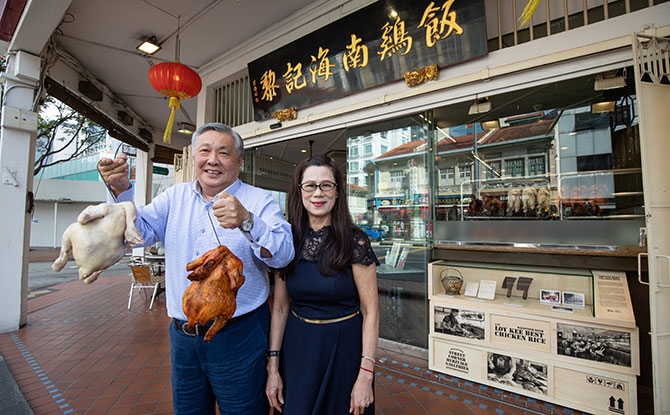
pixel 493 169
pixel 536 166
pixel 367 150
pixel 594 162
pixel 514 168
pixel 464 174
pixel 569 174
pixel 397 178
pixel 447 176
pixel 390 203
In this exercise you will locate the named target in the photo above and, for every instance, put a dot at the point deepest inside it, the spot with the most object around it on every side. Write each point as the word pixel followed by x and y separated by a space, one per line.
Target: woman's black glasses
pixel 325 187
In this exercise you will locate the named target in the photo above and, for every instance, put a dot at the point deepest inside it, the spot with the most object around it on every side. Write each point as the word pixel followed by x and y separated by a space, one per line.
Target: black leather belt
pixel 201 329
pixel 198 329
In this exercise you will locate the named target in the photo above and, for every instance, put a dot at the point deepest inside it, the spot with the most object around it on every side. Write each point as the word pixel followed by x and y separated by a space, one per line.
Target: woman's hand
pixel 362 395
pixel 274 388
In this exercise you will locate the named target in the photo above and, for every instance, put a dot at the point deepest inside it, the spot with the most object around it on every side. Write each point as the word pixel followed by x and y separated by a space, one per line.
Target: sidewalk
pixel 83 352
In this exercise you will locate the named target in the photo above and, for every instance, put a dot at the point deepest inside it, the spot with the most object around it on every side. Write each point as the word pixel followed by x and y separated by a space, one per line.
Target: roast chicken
pixel 216 276
pixel 99 238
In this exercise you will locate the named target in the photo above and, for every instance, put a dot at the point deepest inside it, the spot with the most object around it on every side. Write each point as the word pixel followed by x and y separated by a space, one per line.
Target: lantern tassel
pixel 174 104
pixel 528 12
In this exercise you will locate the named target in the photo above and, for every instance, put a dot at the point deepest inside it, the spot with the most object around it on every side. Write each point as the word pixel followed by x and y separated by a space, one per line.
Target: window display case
pixel 564 175
pixel 534 290
pixel 561 335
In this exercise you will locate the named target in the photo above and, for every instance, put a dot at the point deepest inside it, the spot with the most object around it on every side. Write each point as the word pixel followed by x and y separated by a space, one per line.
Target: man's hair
pixel 221 128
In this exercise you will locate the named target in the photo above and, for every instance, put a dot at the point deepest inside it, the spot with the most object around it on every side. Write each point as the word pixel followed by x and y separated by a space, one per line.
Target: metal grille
pixel 652 58
pixel 233 103
pixel 551 17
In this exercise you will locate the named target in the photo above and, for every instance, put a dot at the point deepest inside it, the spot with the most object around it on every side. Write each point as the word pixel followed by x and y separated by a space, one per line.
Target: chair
pixel 145 276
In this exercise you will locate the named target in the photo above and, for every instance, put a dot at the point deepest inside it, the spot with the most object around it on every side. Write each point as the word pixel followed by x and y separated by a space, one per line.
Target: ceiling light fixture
pixel 480 106
pixel 149 46
pixel 604 106
pixel 611 80
pixel 490 125
pixel 303 151
pixel 186 128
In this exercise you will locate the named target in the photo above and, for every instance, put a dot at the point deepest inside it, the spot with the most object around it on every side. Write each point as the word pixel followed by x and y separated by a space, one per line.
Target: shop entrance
pixel 388 192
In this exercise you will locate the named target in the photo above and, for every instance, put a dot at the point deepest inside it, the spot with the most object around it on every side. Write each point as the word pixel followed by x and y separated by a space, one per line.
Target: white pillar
pixel 143 184
pixel 653 100
pixel 17 155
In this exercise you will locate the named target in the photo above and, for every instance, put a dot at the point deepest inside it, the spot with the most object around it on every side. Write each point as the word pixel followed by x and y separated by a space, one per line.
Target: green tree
pixel 60 128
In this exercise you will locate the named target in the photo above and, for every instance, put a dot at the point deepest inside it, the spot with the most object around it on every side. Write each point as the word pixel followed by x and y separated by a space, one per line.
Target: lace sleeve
pixel 363 253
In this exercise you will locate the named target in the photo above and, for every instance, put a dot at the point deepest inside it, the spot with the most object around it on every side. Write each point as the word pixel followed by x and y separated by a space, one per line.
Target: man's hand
pixel 115 173
pixel 229 211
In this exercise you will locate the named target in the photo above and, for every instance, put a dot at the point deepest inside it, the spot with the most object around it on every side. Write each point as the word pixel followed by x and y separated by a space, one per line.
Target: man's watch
pixel 248 223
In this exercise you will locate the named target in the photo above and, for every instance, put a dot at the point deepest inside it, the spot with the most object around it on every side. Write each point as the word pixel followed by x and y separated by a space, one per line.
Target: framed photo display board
pixel 546 346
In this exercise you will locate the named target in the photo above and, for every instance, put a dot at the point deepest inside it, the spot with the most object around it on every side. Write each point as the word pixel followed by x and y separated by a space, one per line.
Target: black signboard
pixel 371 47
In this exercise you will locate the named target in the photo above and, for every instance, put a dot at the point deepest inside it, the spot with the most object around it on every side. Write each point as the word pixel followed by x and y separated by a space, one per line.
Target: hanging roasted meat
pixel 99 238
pixel 216 276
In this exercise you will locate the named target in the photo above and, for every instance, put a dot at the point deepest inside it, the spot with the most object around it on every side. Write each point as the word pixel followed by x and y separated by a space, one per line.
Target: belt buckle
pixel 184 328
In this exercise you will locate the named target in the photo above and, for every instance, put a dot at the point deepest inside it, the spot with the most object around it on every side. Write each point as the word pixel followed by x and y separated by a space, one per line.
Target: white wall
pixel 65 197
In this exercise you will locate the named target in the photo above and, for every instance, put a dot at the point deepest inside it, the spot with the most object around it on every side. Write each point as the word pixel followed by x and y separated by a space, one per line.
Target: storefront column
pixel 17 152
pixel 653 103
pixel 17 155
pixel 143 184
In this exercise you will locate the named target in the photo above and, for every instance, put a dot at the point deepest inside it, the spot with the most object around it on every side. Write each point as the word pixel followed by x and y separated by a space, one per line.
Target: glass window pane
pixel 388 199
pixel 557 173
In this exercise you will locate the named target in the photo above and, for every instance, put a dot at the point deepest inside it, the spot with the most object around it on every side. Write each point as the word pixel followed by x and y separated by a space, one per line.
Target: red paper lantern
pixel 177 81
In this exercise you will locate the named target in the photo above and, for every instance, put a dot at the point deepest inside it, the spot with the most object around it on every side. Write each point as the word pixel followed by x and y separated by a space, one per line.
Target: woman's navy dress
pixel 320 362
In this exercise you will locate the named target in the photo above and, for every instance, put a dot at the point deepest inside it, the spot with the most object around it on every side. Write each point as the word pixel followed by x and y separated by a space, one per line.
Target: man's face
pixel 217 163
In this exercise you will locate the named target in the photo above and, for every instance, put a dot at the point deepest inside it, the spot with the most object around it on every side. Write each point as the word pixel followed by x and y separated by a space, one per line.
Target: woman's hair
pixel 221 128
pixel 337 248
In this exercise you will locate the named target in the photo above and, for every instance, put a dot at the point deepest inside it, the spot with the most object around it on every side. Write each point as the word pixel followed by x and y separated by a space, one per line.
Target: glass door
pixel 389 198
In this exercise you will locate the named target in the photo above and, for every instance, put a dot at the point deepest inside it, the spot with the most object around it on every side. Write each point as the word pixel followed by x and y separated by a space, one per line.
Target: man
pixel 450 323
pixel 190 219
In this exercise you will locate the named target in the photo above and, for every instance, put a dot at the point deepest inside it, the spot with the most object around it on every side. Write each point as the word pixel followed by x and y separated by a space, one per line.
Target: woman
pixel 325 307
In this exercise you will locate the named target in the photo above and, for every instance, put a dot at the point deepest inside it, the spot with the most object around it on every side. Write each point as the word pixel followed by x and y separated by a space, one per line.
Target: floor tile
pixel 88 353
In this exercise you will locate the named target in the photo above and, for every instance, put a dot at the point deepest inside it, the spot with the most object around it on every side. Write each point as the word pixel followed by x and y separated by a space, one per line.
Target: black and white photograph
pixel 518 373
pixel 550 297
pixel 462 323
pixel 591 343
pixel 573 299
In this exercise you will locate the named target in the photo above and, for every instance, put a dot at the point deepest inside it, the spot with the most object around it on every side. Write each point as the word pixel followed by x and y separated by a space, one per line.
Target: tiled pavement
pixel 83 352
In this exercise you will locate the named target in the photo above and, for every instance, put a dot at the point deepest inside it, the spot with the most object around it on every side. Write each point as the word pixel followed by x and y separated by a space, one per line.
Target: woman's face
pixel 318 203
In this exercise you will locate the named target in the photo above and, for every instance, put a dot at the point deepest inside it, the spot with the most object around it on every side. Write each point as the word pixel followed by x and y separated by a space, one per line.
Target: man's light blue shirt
pixel 179 218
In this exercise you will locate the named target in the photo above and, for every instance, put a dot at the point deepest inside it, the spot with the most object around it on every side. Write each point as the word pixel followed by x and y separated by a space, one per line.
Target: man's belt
pixel 201 329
